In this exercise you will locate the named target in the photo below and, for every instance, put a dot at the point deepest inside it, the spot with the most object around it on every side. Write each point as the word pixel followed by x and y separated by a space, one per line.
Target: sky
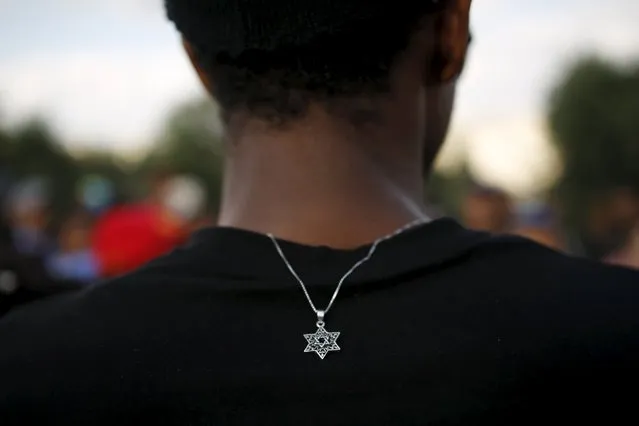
pixel 106 74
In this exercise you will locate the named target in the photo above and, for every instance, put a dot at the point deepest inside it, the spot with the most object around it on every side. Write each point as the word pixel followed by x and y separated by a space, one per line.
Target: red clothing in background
pixel 129 236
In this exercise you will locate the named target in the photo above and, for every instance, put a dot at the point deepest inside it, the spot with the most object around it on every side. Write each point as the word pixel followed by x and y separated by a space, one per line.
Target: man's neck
pixel 322 185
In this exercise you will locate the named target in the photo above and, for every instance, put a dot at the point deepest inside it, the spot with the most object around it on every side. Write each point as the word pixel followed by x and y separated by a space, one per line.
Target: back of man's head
pixel 273 59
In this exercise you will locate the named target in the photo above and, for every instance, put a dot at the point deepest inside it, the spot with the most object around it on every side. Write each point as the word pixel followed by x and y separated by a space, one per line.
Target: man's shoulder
pixel 95 312
pixel 79 337
pixel 152 288
pixel 71 311
pixel 554 295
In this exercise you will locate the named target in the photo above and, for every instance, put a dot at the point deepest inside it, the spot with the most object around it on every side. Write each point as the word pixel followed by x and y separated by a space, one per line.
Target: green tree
pixel 593 119
pixel 191 144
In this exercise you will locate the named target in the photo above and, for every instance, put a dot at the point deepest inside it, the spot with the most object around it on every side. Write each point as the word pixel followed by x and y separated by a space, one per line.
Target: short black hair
pixel 278 84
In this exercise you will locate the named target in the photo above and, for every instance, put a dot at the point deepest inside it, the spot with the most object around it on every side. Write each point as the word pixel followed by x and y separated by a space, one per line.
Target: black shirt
pixel 443 326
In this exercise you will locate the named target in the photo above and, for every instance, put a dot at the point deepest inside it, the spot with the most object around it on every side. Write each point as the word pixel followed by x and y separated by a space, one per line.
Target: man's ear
pixel 452 35
pixel 204 77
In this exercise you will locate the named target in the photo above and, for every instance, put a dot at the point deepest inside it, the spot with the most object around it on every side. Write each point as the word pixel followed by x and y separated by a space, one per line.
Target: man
pixel 326 297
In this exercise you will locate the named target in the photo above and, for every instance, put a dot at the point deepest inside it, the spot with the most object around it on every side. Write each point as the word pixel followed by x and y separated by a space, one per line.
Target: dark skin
pixel 322 180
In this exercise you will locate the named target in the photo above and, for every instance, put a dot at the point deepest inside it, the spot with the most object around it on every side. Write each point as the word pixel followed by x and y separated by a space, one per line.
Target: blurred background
pixel 110 150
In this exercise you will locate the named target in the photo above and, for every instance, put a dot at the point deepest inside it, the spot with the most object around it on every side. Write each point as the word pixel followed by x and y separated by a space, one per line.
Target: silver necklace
pixel 322 342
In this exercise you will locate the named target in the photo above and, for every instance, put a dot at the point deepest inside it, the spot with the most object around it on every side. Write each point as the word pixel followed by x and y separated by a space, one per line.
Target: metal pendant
pixel 322 342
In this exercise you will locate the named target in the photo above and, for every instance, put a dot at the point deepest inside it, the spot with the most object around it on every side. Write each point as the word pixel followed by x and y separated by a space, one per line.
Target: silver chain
pixel 320 313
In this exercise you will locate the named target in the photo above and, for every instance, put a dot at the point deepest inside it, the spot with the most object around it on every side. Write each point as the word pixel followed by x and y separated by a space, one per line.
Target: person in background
pixel 488 209
pixel 537 221
pixel 612 217
pixel 74 258
pixel 628 254
pixel 27 207
pixel 23 276
pixel 625 217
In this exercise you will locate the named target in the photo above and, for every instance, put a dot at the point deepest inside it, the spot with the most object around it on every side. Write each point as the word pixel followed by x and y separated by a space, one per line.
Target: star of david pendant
pixel 322 342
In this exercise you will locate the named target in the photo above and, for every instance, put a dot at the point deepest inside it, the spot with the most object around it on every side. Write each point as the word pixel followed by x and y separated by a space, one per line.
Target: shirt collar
pixel 251 257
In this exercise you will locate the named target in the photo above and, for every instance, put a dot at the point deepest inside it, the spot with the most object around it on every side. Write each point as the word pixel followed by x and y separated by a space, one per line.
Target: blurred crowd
pixel 103 238
pixel 610 233
pixel 100 239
